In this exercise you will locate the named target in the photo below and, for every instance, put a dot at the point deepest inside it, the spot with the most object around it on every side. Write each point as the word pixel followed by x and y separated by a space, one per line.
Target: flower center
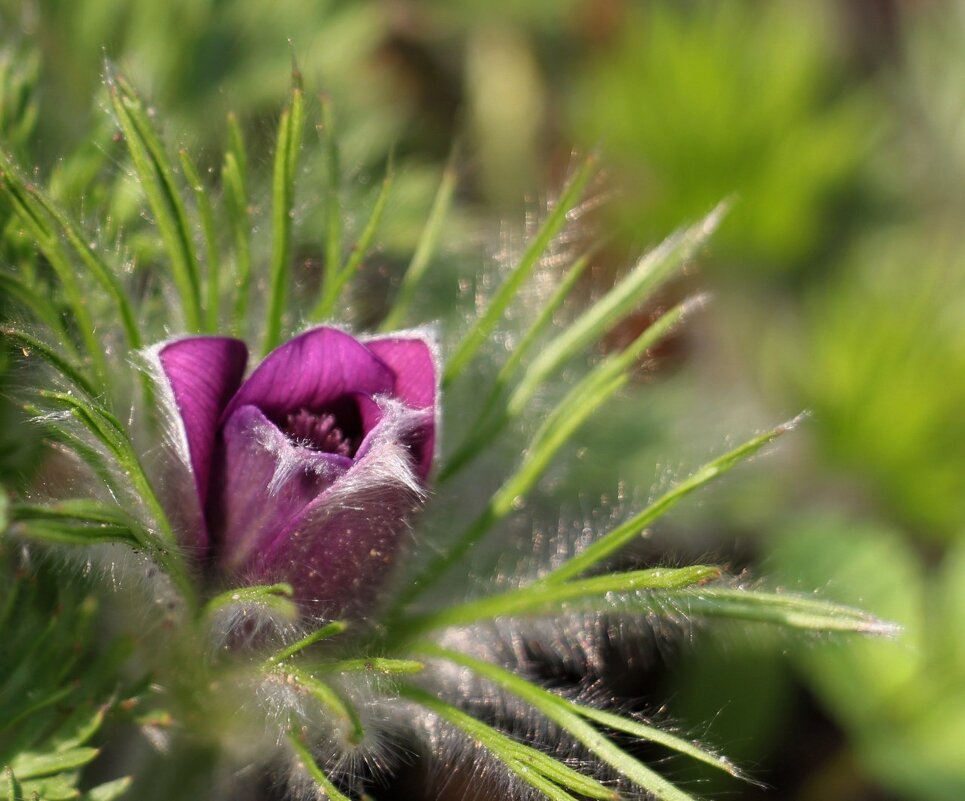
pixel 319 432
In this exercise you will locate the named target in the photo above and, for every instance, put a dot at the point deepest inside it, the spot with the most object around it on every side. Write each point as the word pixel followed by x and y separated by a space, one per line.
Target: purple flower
pixel 305 471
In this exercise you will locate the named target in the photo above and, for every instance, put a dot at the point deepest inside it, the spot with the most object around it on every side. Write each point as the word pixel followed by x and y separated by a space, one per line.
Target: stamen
pixel 318 432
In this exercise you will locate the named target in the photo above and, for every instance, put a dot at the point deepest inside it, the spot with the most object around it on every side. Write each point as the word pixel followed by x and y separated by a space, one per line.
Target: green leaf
pixel 234 179
pixel 575 408
pixel 157 182
pixel 287 147
pixel 42 207
pixel 333 207
pixel 61 787
pixel 108 430
pixel 561 712
pixel 328 697
pixel 646 277
pixel 525 761
pixel 40 307
pixel 14 790
pixel 275 596
pixel 332 289
pixel 212 295
pixel 79 509
pixel 109 791
pixel 80 726
pixel 542 599
pixel 425 248
pixel 102 423
pixel 375 664
pixel 634 289
pixel 491 421
pixel 793 611
pixel 613 541
pixel 30 344
pixel 543 320
pixel 644 731
pixel 308 762
pixel 14 188
pixel 486 322
pixel 332 629
pixel 45 701
pixel 55 432
pixel 32 765
pixel 598 386
pixel 67 533
pixel 92 261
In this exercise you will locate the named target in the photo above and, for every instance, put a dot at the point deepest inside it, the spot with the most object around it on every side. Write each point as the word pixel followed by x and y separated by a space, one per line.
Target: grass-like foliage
pixel 322 705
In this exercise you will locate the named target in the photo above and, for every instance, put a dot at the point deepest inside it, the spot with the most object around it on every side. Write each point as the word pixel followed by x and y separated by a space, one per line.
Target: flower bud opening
pixel 323 431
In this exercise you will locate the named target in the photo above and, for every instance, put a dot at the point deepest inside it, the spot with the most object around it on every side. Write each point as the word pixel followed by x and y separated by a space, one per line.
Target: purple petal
pixel 339 551
pixel 261 482
pixel 371 415
pixel 416 385
pixel 311 370
pixel 203 374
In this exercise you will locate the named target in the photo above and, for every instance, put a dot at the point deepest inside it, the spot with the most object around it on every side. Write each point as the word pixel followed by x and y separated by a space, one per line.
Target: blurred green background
pixel 838 131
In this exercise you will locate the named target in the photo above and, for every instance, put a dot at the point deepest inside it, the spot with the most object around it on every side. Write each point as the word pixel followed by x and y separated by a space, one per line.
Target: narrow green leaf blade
pixel 383 665
pixel 39 206
pixel 612 542
pixel 490 421
pixel 31 765
pixel 287 149
pixel 109 791
pixel 544 319
pixel 579 404
pixel 328 697
pixel 313 770
pixel 274 595
pixel 332 290
pixel 24 205
pixel 514 754
pixel 575 408
pixel 560 712
pixel 425 248
pixel 40 307
pixel 234 179
pixel 541 599
pixel 332 629
pixel 30 344
pixel 13 789
pixel 59 787
pixel 333 202
pixel 212 295
pixel 79 522
pixel 793 611
pixel 156 179
pixel 108 429
pixel 73 534
pixel 644 731
pixel 80 726
pixel 647 276
pixel 57 433
pixel 486 322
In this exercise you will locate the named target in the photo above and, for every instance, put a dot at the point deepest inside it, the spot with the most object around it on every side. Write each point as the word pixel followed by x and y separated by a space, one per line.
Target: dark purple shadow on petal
pixel 310 371
pixel 371 415
pixel 204 373
pixel 412 361
pixel 261 482
pixel 338 553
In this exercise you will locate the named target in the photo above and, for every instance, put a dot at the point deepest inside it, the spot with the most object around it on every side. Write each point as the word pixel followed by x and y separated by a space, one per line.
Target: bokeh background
pixel 837 129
